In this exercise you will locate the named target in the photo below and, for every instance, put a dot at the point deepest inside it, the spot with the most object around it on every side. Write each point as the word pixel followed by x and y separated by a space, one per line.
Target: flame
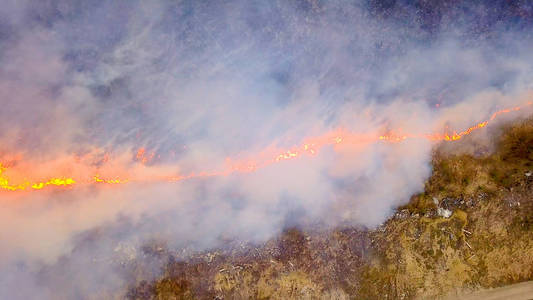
pixel 5 184
pixel 97 179
pixel 455 135
pixel 310 147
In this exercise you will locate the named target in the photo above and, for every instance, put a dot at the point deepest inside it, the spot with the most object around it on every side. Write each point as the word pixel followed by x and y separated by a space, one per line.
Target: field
pixel 472 228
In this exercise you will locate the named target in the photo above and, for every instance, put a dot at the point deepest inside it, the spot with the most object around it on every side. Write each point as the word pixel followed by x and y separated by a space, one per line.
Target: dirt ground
pixel 519 291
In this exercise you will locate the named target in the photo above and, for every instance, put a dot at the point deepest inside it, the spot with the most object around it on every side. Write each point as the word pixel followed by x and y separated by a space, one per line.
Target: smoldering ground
pixel 195 83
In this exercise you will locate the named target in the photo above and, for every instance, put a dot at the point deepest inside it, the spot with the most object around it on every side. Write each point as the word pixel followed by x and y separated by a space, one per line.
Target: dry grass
pixel 486 242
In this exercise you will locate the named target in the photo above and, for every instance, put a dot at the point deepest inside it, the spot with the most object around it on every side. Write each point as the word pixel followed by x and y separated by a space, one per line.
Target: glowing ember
pixel 144 157
pixel 113 181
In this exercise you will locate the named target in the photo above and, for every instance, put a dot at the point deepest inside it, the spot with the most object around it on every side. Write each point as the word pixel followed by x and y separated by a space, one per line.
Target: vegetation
pixel 487 241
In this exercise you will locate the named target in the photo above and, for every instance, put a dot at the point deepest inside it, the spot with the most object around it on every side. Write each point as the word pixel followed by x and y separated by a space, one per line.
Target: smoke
pixel 84 85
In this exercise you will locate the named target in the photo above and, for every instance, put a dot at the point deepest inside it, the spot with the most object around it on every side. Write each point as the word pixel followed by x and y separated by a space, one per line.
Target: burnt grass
pixel 487 241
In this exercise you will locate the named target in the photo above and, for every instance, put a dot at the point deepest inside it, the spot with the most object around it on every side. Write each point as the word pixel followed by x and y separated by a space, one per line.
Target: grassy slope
pixel 486 242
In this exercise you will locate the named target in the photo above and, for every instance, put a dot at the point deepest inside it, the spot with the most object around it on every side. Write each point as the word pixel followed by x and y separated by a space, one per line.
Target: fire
pixel 97 179
pixel 310 148
pixel 54 181
pixel 5 184
pixel 455 135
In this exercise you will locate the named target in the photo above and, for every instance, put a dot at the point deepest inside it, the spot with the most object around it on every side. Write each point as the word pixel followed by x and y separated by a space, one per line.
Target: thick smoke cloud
pixel 84 85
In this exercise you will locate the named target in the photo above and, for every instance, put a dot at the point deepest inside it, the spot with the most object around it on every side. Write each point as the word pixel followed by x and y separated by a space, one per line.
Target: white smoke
pixel 198 83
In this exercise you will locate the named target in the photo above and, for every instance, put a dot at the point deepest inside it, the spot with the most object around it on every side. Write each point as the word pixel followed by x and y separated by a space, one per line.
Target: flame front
pixel 310 148
pixel 5 184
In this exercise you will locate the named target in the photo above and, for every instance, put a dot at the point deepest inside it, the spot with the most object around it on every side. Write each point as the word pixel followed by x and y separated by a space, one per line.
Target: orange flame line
pixel 310 147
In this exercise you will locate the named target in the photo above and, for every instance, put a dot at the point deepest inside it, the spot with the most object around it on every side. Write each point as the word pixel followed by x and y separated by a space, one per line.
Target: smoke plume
pixel 143 89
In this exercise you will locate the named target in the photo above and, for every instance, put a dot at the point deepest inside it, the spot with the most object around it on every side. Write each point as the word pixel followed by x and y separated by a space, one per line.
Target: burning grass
pixel 487 241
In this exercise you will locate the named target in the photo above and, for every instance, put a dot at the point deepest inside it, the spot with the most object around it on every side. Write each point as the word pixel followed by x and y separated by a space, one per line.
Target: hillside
pixel 472 228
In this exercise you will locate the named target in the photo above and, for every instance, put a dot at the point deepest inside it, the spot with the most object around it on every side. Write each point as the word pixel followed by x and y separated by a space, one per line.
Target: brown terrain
pixel 518 291
pixel 471 229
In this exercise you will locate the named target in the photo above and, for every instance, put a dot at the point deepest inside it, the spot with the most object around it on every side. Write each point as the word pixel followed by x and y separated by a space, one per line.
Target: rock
pixel 430 214
pixel 450 203
pixel 443 212
pixel 404 213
